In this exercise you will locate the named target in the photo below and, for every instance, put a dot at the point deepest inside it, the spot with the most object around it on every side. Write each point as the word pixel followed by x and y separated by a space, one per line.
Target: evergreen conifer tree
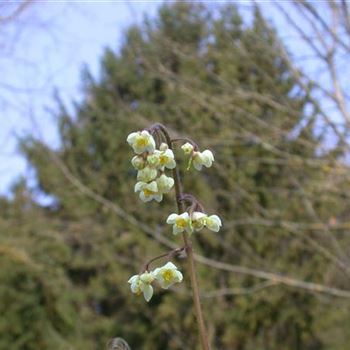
pixel 208 73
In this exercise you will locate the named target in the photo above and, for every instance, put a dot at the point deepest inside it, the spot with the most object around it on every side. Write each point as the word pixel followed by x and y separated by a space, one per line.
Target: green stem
pixel 189 249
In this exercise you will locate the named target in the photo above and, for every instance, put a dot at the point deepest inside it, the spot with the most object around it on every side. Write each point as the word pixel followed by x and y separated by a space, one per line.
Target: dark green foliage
pixel 210 76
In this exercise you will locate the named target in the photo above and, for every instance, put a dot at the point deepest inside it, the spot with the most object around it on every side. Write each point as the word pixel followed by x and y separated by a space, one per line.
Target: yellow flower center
pixel 167 275
pixel 163 160
pixel 141 142
pixel 147 192
pixel 197 224
pixel 181 223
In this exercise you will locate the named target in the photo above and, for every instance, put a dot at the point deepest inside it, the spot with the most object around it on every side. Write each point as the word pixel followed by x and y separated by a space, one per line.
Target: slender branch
pixel 189 250
pixel 193 202
pixel 169 255
pixel 21 7
pixel 195 146
pixel 278 278
pixel 239 291
pixel 194 282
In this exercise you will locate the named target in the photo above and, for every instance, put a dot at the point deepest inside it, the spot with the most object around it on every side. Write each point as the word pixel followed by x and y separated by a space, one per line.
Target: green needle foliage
pixel 208 73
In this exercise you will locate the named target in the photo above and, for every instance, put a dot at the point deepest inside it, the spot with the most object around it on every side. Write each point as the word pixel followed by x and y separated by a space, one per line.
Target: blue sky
pixel 46 50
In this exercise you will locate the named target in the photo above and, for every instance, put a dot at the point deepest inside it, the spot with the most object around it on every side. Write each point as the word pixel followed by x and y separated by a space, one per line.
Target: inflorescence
pixel 151 164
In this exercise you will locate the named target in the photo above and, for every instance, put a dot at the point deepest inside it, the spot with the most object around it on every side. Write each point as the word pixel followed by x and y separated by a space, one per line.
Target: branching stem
pixel 193 202
pixel 169 255
pixel 195 146
pixel 187 241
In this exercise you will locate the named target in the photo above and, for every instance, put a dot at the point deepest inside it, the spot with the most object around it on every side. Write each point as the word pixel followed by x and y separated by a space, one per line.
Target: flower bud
pixel 187 148
pixel 138 162
pixel 153 159
pixel 165 183
pixel 147 174
pixel 213 222
pixel 163 147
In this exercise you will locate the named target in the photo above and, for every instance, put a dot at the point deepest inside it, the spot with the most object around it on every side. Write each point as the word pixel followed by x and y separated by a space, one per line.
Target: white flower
pixel 187 148
pixel 153 159
pixel 165 183
pixel 142 284
pixel 147 277
pixel 167 159
pixel 141 141
pixel 205 158
pixel 167 275
pixel 138 162
pixel 148 191
pixel 213 223
pixel 180 223
pixel 135 284
pixel 147 174
pixel 198 220
pixel 162 159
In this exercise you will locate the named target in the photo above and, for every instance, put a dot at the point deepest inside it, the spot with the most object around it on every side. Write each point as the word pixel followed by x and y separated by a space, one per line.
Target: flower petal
pixel 152 186
pixel 213 223
pixel 169 265
pixel 171 219
pixel 133 279
pixel 147 292
pixel 178 275
pixel 185 215
pixel 176 230
pixel 207 158
pixel 139 186
pixel 198 215
pixel 158 197
pixel 145 198
pixel 197 163
pixel 131 137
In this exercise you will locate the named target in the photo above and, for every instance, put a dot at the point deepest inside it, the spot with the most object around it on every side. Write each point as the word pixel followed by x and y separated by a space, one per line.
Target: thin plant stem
pixel 188 246
pixel 170 254
pixel 195 146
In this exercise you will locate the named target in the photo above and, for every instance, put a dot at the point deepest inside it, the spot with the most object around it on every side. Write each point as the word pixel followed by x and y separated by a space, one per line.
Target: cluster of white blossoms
pixel 151 164
pixel 198 159
pixel 152 182
pixel 197 221
pixel 166 276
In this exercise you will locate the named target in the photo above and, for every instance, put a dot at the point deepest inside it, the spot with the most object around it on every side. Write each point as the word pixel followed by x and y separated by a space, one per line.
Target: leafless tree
pixel 322 30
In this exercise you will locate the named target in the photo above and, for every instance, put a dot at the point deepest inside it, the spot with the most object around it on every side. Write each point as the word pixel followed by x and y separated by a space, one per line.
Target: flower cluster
pixel 152 182
pixel 166 276
pixel 198 159
pixel 151 164
pixel 194 222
